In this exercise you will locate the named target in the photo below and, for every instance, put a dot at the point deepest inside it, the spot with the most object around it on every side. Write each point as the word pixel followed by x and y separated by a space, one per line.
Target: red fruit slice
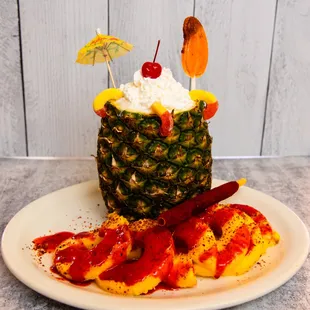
pixel 210 110
pixel 166 118
pixel 166 124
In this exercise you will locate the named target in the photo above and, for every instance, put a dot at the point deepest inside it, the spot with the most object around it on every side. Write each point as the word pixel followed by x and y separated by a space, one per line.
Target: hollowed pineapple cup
pixel 142 174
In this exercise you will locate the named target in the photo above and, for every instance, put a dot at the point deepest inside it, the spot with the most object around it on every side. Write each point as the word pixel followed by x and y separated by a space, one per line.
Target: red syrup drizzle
pixel 155 261
pixel 48 244
pixel 114 242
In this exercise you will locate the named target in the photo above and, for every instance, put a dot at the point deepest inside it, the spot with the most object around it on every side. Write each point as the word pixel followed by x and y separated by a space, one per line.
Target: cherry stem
pixel 158 43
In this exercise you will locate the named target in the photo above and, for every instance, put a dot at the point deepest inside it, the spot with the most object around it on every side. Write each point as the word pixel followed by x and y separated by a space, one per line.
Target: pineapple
pixel 142 173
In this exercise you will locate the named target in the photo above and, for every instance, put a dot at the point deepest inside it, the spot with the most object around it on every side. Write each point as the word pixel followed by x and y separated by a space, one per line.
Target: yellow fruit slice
pixel 158 108
pixel 199 94
pixel 182 272
pixel 103 97
pixel 210 100
pixel 86 255
pixel 140 276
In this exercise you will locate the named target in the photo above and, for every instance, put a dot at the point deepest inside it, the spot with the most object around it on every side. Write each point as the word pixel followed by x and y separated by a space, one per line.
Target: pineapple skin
pixel 142 174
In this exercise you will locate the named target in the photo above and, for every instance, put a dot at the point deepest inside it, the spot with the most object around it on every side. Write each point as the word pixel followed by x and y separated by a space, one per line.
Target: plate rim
pixel 143 301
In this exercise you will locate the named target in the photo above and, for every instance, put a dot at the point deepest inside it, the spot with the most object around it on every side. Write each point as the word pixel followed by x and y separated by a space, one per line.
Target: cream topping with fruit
pixel 140 94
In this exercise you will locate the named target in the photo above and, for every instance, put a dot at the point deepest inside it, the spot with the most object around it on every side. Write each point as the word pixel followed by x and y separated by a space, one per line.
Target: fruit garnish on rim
pixel 103 97
pixel 210 100
pixel 166 119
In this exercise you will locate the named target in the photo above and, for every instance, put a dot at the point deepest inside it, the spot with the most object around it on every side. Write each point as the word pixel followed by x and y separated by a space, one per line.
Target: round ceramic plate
pixel 80 207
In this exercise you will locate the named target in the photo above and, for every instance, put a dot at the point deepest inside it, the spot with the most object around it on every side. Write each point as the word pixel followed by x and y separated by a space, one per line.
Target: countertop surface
pixel 24 180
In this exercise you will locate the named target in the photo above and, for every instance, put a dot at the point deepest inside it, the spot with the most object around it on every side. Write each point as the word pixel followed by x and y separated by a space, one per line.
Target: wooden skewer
pixel 107 62
pixel 109 68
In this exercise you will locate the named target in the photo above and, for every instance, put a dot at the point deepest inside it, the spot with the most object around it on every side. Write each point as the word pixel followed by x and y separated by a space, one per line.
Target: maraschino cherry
pixel 152 69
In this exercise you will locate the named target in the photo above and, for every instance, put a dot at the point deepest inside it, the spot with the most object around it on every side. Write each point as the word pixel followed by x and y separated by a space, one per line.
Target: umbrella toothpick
pixel 103 48
pixel 107 61
pixel 110 71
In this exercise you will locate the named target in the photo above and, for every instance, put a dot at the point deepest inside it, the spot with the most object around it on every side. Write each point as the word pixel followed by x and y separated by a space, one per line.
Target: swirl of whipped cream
pixel 140 94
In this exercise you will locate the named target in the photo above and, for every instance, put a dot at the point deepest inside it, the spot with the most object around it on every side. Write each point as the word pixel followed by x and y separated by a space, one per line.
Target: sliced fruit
pixel 200 245
pixel 182 272
pixel 84 256
pixel 210 100
pixel 166 119
pixel 210 110
pixel 233 238
pixel 256 247
pixel 270 237
pixel 139 230
pixel 103 97
pixel 195 48
pixel 139 277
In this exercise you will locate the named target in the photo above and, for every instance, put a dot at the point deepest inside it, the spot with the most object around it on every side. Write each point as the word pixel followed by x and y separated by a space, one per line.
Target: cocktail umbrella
pixel 103 48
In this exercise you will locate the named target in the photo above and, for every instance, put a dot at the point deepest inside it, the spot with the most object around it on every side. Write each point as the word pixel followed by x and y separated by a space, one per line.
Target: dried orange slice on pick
pixel 195 48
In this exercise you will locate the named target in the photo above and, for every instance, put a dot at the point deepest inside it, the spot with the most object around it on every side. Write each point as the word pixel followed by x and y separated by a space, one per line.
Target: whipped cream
pixel 140 94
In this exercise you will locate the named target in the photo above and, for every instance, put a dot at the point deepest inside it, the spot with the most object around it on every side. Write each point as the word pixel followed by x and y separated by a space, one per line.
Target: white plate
pixel 75 208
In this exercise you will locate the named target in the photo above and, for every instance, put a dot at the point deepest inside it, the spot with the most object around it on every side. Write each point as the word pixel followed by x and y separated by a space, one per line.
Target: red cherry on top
pixel 152 69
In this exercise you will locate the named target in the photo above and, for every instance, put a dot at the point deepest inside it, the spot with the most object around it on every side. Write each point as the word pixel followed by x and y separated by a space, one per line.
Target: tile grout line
pixel 22 74
pixel 269 74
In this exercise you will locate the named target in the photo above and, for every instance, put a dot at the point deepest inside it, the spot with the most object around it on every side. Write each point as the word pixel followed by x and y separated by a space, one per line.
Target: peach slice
pixel 103 97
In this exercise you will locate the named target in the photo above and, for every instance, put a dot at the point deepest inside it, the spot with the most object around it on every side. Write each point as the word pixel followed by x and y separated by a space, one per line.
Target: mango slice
pixel 103 97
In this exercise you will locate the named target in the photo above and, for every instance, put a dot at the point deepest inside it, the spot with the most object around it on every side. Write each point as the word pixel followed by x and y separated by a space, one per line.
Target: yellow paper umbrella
pixel 103 48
